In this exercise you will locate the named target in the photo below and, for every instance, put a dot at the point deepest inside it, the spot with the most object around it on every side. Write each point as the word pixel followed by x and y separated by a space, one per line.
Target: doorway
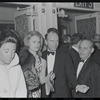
pixel 88 24
pixel 63 27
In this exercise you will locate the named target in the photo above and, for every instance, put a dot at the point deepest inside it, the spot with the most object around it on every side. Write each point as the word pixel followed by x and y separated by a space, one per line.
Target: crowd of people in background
pixel 38 67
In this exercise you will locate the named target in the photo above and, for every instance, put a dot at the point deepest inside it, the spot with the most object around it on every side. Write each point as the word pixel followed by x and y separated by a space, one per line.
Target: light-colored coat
pixel 12 82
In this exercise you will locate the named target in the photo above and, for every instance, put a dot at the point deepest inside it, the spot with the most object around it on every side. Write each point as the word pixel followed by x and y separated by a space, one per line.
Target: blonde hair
pixel 31 34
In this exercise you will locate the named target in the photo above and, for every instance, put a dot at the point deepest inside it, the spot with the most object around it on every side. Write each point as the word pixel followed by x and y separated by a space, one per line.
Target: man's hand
pixel 51 79
pixel 82 88
pixel 51 76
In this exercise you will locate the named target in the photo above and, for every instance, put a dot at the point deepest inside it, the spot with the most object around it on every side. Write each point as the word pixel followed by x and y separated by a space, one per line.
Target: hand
pixel 82 88
pixel 38 62
pixel 50 81
pixel 38 67
pixel 51 76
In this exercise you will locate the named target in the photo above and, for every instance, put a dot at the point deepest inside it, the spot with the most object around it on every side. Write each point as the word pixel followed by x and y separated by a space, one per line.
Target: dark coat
pixel 75 58
pixel 65 47
pixel 90 76
pixel 72 60
pixel 96 56
pixel 60 83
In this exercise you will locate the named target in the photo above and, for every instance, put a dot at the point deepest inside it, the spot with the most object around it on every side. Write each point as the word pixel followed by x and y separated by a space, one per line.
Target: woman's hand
pixel 38 65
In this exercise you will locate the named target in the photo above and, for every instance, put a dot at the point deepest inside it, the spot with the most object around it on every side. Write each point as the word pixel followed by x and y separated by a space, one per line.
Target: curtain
pixel 22 25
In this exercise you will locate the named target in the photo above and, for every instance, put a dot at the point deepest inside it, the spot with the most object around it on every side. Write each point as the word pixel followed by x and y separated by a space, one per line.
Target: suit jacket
pixel 90 76
pixel 72 60
pixel 65 47
pixel 75 57
pixel 60 83
pixel 96 56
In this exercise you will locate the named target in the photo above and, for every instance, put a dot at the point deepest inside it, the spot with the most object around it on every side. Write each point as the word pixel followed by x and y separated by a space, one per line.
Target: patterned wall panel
pixel 87 27
pixel 22 25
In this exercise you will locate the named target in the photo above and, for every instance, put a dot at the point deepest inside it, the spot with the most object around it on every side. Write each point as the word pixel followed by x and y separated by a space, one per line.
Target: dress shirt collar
pixel 75 48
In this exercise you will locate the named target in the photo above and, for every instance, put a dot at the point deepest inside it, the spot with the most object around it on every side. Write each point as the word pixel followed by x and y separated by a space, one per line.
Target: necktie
pixel 48 53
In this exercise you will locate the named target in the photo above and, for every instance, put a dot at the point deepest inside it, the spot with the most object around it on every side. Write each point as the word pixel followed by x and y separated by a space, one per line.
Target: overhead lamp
pixel 61 13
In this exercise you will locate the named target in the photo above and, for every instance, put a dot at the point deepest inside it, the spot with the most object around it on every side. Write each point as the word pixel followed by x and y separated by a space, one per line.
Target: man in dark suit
pixel 96 53
pixel 72 61
pixel 56 61
pixel 88 72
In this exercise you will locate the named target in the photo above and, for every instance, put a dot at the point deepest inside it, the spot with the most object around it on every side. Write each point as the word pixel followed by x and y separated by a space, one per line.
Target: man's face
pixel 7 52
pixel 97 38
pixel 85 49
pixel 52 41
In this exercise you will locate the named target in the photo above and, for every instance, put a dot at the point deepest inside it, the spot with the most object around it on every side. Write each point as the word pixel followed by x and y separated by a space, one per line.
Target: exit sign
pixel 89 5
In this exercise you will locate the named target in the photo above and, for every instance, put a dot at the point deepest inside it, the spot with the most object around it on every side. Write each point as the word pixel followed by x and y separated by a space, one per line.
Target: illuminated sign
pixel 89 5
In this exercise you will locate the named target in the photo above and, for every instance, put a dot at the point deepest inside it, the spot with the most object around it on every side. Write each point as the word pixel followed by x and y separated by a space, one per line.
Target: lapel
pixel 84 68
pixel 44 55
pixel 55 63
pixel 75 57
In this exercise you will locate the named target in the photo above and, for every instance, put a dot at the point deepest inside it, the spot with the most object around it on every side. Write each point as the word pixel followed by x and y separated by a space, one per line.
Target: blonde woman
pixel 33 65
